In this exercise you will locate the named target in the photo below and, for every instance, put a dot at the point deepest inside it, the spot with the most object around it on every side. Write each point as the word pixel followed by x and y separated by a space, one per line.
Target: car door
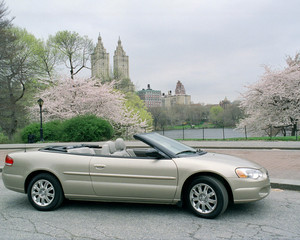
pixel 134 178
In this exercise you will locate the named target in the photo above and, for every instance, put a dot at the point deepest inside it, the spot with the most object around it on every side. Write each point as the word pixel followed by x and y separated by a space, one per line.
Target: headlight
pixel 248 173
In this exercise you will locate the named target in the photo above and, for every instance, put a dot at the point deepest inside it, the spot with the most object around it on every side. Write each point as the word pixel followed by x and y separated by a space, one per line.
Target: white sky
pixel 214 47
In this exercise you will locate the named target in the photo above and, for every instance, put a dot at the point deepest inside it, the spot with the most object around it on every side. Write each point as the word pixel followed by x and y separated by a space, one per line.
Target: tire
pixel 206 197
pixel 44 192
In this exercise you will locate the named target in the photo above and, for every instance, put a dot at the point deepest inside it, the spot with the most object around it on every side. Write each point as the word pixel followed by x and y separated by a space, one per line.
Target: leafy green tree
pixel 232 114
pixel 177 115
pixel 48 59
pixel 19 72
pixel 156 113
pixel 74 50
pixel 125 85
pixel 137 107
pixel 5 35
pixel 133 103
pixel 216 114
pixel 160 117
pixel 197 114
pixel 3 138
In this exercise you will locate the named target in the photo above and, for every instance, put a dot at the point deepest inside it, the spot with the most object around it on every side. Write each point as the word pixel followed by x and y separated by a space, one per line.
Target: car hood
pixel 228 160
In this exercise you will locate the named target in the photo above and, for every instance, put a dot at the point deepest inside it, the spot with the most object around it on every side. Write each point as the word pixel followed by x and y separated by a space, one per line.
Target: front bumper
pixel 249 190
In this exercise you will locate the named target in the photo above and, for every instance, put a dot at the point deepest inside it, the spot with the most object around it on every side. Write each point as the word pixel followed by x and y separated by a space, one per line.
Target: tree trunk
pixel 71 68
pixel 13 120
pixel 294 129
pixel 283 131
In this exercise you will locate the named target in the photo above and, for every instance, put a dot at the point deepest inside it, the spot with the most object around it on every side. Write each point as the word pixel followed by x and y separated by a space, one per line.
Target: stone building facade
pixel 100 62
pixel 121 63
pixel 179 90
pixel 180 97
pixel 154 98
pixel 151 98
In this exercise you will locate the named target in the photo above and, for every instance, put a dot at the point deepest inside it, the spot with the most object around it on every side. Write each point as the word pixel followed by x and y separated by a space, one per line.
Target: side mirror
pixel 153 153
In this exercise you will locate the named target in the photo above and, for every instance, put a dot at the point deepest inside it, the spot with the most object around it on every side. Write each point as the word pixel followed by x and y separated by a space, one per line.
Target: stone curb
pixel 285 186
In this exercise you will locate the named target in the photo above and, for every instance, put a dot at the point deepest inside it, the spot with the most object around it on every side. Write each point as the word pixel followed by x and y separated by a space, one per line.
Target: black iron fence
pixel 215 133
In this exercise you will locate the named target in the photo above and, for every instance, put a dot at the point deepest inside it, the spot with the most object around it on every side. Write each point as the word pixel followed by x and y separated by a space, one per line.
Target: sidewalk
pixel 287 145
pixel 283 165
pixel 282 159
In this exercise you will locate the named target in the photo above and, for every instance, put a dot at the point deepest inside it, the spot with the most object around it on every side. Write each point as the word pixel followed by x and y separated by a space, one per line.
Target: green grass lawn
pixel 187 126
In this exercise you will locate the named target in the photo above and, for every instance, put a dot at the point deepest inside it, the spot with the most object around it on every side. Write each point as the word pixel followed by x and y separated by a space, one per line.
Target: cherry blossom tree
pixel 273 103
pixel 69 98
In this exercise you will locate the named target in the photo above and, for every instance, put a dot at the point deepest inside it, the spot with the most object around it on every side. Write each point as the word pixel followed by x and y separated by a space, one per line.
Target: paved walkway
pixel 290 145
pixel 283 165
pixel 282 159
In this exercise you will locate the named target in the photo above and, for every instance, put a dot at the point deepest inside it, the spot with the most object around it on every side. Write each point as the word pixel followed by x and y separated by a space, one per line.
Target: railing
pixel 213 133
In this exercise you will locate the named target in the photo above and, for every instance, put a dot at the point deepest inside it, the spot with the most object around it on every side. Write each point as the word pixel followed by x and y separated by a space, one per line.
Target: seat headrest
pixel 112 147
pixel 120 144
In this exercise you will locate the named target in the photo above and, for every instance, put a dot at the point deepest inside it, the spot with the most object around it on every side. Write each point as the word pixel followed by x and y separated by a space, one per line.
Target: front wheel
pixel 206 197
pixel 44 192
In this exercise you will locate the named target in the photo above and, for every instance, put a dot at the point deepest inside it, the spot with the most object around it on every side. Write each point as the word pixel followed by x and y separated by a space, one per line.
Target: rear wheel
pixel 44 192
pixel 206 197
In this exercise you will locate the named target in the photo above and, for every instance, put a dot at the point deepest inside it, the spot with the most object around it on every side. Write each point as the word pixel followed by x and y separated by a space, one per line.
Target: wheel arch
pixel 35 173
pixel 208 174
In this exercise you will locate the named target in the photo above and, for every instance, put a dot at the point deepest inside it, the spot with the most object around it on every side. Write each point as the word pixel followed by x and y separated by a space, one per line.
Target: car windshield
pixel 173 146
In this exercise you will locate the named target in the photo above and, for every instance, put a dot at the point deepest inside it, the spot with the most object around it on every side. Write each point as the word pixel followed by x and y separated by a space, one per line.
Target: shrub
pixel 3 138
pixel 33 128
pixel 87 128
pixel 51 131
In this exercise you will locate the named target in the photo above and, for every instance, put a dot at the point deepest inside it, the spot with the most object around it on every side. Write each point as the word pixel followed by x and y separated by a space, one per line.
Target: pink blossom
pixel 69 98
pixel 274 100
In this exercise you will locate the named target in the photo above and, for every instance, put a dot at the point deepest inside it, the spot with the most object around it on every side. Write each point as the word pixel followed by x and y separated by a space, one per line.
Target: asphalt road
pixel 276 217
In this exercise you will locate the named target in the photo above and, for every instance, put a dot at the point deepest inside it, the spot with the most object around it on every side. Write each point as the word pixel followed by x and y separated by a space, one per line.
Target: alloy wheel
pixel 203 198
pixel 42 192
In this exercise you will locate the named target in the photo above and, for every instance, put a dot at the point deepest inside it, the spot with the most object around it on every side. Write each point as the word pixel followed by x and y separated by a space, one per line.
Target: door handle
pixel 99 166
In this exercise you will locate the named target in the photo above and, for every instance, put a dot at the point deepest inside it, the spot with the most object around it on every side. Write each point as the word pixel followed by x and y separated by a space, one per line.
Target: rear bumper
pixel 13 182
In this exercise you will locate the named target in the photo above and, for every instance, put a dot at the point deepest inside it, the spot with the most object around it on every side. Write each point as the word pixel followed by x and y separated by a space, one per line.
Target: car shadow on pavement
pixel 119 207
pixel 156 209
pixel 20 203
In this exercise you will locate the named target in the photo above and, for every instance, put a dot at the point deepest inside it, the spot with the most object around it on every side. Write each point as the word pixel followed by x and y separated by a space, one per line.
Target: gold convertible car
pixel 164 172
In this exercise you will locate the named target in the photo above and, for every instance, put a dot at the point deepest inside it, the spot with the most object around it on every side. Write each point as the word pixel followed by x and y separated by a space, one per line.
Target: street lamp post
pixel 41 102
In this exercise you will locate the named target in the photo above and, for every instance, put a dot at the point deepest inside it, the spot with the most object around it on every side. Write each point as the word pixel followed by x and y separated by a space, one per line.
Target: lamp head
pixel 40 102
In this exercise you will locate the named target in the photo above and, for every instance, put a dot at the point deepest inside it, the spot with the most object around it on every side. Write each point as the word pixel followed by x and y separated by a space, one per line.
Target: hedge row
pixel 87 128
pixel 3 138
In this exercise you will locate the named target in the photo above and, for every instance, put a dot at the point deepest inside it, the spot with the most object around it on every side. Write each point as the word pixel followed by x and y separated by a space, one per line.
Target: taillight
pixel 9 161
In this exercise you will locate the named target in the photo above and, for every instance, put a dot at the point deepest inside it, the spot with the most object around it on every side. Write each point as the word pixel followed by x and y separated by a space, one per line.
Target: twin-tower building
pixel 152 98
pixel 100 62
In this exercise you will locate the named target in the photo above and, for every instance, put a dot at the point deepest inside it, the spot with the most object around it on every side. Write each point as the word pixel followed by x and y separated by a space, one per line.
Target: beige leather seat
pixel 112 147
pixel 105 150
pixel 81 150
pixel 121 148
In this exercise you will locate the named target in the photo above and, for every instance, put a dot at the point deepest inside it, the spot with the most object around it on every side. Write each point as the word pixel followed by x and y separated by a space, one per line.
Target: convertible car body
pixel 165 172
